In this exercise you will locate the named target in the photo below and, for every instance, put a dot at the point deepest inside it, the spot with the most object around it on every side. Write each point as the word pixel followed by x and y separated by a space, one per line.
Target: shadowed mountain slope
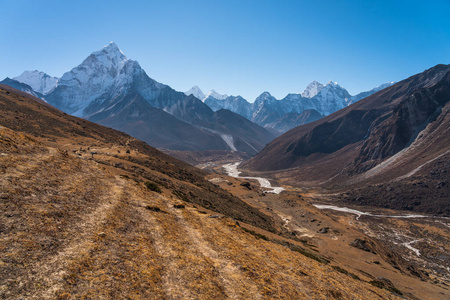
pixel 389 136
pixel 360 122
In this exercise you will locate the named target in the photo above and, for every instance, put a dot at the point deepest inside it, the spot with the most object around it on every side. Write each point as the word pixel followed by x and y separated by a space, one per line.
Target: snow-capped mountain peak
pixel 105 64
pixel 333 83
pixel 110 56
pixel 312 89
pixel 99 73
pixel 265 95
pixel 38 81
pixel 196 92
pixel 216 95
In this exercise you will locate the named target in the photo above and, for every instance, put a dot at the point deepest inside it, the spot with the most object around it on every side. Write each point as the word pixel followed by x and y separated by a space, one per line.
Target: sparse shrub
pixel 63 295
pixel 179 206
pixel 335 294
pixel 257 235
pixel 181 195
pixel 152 186
pixel 309 254
pixel 394 290
pixel 153 208
pixel 385 284
pixel 377 283
pixel 344 271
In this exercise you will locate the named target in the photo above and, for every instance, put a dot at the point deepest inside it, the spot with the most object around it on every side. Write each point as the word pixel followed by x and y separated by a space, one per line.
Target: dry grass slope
pixel 77 225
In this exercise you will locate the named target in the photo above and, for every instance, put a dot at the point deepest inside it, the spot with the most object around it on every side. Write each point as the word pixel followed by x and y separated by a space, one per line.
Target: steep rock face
pixel 266 109
pixel 331 98
pixel 390 134
pixel 312 89
pixel 39 81
pixel 381 125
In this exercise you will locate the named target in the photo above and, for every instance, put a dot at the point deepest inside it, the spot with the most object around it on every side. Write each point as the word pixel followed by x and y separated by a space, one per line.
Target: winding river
pixel 361 213
pixel 232 171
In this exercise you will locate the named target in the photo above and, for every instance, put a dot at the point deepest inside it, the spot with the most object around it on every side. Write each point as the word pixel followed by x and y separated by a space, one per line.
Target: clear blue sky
pixel 235 47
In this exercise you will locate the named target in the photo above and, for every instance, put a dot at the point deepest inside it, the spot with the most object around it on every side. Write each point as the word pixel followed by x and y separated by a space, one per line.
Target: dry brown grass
pixel 73 230
pixel 73 227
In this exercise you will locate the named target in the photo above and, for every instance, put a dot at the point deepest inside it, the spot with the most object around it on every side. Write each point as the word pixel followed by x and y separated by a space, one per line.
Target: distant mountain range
pixel 110 89
pixel 317 100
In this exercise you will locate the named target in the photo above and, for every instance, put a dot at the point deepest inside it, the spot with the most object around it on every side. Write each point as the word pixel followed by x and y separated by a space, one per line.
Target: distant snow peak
pixel 333 84
pixel 384 85
pixel 196 92
pixel 38 81
pixel 265 95
pixel 110 56
pixel 112 47
pixel 312 89
pixel 216 95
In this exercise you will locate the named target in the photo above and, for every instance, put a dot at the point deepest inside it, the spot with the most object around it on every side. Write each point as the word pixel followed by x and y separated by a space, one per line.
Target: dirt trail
pixel 174 283
pixel 51 271
pixel 235 283
pixel 85 230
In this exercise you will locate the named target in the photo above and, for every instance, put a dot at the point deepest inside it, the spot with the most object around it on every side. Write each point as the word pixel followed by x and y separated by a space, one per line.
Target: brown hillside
pixel 89 212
